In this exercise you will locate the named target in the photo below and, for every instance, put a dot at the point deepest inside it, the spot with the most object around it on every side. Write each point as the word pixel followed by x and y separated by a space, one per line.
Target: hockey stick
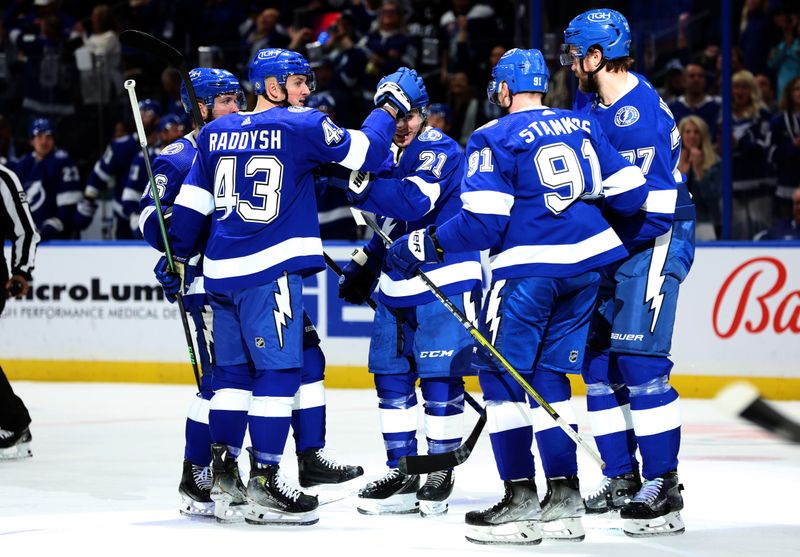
pixel 363 218
pixel 148 43
pixel 425 464
pixel 130 85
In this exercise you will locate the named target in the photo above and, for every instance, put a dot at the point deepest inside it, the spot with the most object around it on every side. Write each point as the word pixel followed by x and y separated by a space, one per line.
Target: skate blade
pixel 525 532
pixel 264 516
pixel 226 511
pixel 432 508
pixel 196 509
pixel 17 452
pixel 563 529
pixel 405 503
pixel 671 524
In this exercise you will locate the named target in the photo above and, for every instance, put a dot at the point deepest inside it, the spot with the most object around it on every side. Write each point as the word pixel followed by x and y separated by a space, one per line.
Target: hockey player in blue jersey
pixel 51 182
pixel 528 174
pixel 413 336
pixel 251 183
pixel 111 171
pixel 627 368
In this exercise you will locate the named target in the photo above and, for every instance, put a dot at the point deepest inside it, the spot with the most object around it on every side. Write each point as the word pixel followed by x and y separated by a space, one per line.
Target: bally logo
pixel 259 342
pixel 436 353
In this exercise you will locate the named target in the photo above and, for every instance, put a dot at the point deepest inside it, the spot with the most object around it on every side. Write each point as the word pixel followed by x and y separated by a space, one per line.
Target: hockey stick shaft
pixel 158 48
pixel 489 347
pixel 130 86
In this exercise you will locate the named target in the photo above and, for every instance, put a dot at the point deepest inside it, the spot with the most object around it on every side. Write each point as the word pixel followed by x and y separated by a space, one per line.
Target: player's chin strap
pixel 591 74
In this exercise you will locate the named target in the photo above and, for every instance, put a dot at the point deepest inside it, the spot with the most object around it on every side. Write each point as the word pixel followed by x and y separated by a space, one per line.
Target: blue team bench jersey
pixel 252 174
pixel 528 175
pixel 424 189
pixel 640 126
pixel 112 169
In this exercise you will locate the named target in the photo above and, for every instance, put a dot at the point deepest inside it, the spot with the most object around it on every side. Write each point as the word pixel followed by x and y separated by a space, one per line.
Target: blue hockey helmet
pixel 40 126
pixel 321 101
pixel 170 121
pixel 441 109
pixel 208 84
pixel 606 29
pixel 524 71
pixel 280 64
pixel 150 105
pixel 421 100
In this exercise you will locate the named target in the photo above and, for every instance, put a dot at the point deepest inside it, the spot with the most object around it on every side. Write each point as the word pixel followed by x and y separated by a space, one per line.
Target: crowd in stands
pixel 62 67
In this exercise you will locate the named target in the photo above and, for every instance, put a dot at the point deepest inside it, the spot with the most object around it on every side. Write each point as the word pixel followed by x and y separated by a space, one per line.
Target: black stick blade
pixel 148 43
pixel 425 464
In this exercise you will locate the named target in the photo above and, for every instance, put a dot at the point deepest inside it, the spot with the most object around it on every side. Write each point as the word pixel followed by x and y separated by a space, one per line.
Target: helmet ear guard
pixel 280 64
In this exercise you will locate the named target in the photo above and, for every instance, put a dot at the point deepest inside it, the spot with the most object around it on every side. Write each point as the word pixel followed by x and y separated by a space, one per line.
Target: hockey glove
pixel 412 251
pixel 355 183
pixel 358 279
pixel 176 282
pixel 403 90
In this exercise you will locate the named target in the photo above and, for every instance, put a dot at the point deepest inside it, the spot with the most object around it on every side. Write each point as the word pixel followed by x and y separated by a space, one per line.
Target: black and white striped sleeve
pixel 15 218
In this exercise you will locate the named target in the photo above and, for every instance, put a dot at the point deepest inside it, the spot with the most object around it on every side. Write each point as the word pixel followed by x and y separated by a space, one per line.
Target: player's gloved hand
pixel 412 251
pixel 402 90
pixel 358 279
pixel 355 182
pixel 175 282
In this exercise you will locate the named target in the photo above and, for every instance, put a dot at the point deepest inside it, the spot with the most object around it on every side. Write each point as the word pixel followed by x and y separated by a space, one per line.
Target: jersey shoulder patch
pixel 299 108
pixel 488 124
pixel 173 148
pixel 626 116
pixel 431 134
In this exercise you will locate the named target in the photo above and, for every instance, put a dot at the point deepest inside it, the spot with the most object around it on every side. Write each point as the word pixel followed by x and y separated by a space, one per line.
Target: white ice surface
pixel 107 461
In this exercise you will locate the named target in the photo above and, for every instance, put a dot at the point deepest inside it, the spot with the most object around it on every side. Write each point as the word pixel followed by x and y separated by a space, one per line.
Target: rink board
pixel 95 313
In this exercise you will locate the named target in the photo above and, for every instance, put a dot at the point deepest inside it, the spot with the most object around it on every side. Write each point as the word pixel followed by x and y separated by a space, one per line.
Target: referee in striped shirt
pixel 17 226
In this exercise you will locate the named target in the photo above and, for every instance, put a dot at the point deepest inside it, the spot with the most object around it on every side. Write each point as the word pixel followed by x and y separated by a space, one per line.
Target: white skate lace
pixel 649 491
pixel 202 476
pixel 5 434
pixel 392 474
pixel 436 479
pixel 328 461
pixel 601 488
pixel 286 489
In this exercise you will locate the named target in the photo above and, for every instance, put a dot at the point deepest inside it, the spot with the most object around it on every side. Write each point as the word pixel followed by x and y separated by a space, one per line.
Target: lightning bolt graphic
pixel 284 310
pixel 492 317
pixel 655 278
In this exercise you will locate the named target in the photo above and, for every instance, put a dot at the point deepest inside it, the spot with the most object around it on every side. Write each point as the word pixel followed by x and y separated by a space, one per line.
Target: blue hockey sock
pixel 308 410
pixel 444 412
pixel 609 414
pixel 397 403
pixel 227 417
pixel 197 434
pixel 271 412
pixel 557 450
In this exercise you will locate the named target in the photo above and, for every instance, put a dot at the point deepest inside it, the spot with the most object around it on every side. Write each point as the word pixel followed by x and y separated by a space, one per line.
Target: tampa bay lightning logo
pixel 431 134
pixel 626 116
pixel 299 109
pixel 173 148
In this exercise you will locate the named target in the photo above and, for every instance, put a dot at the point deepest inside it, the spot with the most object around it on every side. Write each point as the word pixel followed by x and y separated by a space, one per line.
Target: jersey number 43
pixel 266 173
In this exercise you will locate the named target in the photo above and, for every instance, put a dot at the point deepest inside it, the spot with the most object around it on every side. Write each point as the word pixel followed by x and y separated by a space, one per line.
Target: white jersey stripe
pixel 488 202
pixel 430 190
pixel 559 254
pixel 442 276
pixel 261 260
pixel 195 198
pixel 622 181
pixel 661 201
pixel 357 154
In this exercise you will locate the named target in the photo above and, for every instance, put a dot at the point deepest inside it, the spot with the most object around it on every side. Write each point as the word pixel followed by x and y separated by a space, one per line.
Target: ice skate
pixel 512 521
pixel 613 493
pixel 272 501
pixel 562 508
pixel 195 491
pixel 15 444
pixel 316 467
pixel 655 510
pixel 227 490
pixel 433 495
pixel 394 493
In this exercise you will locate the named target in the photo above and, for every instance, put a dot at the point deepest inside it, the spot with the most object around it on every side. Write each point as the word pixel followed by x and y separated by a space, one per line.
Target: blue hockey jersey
pixel 170 168
pixel 53 188
pixel 527 176
pixel 423 189
pixel 111 171
pixel 136 182
pixel 253 173
pixel 640 126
